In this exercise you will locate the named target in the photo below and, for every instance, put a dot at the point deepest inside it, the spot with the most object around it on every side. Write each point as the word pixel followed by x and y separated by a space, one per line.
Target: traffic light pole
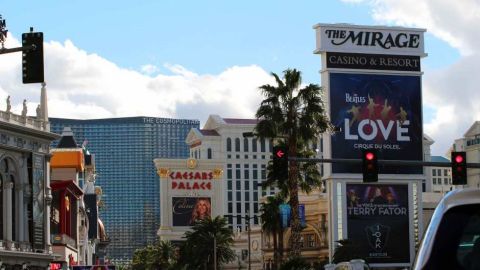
pixel 383 162
pixel 18 49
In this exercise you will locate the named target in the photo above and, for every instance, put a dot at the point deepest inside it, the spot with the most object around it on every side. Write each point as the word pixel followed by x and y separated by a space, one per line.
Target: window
pixel 264 171
pixel 209 153
pixel 246 170
pixel 238 184
pixel 229 145
pixel 229 183
pixel 262 145
pixel 454 241
pixel 434 172
pixel 239 209
pixel 445 172
pixel 434 181
pixel 247 185
pixel 230 208
pixel 445 181
pixel 254 145
pixel 247 196
pixel 229 171
pixel 245 144
pixel 229 196
pixel 237 144
pixel 237 171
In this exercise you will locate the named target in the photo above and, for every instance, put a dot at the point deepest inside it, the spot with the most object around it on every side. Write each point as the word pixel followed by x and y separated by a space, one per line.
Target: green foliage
pixel 289 114
pixel 295 263
pixel 295 117
pixel 160 256
pixel 272 224
pixel 198 250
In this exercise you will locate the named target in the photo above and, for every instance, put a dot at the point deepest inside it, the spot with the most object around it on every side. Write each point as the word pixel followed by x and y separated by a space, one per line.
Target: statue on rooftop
pixel 9 106
pixel 24 111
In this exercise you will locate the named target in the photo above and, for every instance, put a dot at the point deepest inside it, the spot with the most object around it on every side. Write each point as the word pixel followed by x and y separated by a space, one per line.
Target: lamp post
pixel 247 218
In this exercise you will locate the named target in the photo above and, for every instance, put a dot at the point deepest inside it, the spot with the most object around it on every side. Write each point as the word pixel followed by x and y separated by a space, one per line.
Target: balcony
pixel 63 239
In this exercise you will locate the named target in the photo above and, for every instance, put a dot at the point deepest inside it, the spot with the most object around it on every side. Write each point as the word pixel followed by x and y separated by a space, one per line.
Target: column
pixel 8 210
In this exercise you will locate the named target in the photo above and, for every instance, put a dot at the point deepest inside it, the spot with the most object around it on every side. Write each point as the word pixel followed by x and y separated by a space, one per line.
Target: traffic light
pixel 280 161
pixel 32 59
pixel 459 168
pixel 370 165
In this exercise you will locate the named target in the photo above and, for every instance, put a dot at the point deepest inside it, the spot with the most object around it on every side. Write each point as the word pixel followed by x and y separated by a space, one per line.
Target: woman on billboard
pixel 201 210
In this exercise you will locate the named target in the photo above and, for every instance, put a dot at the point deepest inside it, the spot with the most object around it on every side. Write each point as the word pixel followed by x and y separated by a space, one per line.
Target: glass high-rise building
pixel 124 151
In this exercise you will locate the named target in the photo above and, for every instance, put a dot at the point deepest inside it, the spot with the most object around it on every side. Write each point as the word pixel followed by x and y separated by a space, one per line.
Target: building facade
pixel 25 194
pixel 470 143
pixel 245 164
pixel 191 190
pixel 124 149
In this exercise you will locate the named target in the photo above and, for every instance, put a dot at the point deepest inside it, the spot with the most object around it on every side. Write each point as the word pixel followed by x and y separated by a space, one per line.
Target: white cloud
pixel 84 85
pixel 149 69
pixel 453 91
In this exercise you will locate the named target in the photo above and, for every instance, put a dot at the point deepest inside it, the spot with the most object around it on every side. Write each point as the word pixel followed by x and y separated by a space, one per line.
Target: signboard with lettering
pixel 378 222
pixel 373 61
pixel 187 210
pixel 367 39
pixel 376 111
pixel 38 201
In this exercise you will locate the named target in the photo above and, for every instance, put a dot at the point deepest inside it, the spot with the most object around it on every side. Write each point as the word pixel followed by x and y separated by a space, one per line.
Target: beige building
pixel 190 189
pixel 25 195
pixel 470 143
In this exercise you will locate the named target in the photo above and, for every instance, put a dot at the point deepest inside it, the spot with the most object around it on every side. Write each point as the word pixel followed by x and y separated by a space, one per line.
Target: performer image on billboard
pixel 201 210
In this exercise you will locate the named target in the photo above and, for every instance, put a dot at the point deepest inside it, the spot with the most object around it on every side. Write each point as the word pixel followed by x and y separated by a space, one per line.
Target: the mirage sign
pixel 358 39
pixel 382 112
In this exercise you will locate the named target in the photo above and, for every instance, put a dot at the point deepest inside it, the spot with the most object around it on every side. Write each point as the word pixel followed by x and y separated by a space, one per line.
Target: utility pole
pixel 214 252
pixel 248 233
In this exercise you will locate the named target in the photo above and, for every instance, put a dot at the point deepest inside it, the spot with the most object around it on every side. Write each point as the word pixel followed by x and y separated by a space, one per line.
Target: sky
pixel 191 59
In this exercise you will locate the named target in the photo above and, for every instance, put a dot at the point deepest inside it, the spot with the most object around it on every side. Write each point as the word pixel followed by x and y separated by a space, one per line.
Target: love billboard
pixel 382 112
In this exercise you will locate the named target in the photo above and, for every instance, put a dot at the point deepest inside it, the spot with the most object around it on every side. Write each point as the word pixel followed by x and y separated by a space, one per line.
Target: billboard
pixel 187 210
pixel 38 201
pixel 378 221
pixel 369 39
pixel 376 111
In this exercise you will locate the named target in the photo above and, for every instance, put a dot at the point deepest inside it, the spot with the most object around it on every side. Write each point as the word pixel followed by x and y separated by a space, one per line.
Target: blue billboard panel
pixel 378 223
pixel 382 112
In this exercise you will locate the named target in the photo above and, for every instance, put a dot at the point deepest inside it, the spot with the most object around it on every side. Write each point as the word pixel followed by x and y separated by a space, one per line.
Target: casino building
pixel 25 194
pixel 244 163
pixel 124 149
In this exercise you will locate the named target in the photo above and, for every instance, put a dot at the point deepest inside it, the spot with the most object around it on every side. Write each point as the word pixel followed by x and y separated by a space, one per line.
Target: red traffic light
pixel 369 156
pixel 459 159
pixel 280 153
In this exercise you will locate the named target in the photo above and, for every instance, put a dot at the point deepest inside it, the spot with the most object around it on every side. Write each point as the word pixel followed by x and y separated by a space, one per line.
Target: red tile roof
pixel 240 121
pixel 209 132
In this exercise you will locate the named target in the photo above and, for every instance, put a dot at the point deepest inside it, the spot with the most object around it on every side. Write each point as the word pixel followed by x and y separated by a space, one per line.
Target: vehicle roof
pixel 454 198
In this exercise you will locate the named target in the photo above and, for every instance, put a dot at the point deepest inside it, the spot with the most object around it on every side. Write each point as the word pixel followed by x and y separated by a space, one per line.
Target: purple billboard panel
pixel 187 210
pixel 377 222
pixel 383 112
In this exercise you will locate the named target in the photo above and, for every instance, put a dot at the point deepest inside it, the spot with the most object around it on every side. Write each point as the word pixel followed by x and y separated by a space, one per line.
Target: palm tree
pixel 294 116
pixel 205 235
pixel 272 224
pixel 160 256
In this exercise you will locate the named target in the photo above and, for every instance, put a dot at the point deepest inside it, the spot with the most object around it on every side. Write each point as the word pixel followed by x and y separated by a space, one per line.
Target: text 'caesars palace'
pixel 214 168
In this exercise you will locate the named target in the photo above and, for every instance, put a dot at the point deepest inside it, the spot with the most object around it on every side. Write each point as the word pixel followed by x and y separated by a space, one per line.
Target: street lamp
pixel 247 218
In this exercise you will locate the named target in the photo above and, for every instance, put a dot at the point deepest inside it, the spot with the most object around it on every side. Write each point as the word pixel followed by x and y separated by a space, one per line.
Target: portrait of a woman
pixel 201 210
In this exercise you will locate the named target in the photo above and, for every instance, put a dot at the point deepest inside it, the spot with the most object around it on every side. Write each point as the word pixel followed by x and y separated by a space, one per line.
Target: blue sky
pixel 203 36
pixel 203 45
